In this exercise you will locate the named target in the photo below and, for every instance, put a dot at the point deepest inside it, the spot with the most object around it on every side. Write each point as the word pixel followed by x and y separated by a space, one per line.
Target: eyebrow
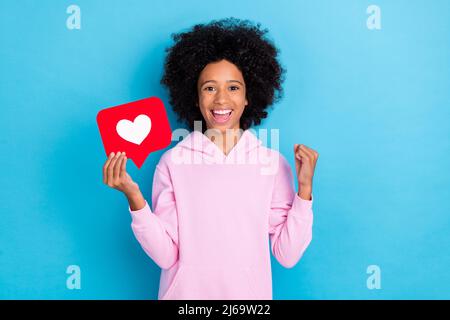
pixel 227 81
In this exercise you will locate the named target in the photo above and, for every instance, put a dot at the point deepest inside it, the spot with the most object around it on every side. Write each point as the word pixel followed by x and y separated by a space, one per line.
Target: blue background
pixel 374 104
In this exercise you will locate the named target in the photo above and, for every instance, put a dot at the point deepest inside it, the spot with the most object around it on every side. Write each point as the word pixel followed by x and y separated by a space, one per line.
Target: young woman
pixel 214 210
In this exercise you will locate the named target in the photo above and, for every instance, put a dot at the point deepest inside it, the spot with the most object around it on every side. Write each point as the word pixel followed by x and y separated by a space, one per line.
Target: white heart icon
pixel 135 131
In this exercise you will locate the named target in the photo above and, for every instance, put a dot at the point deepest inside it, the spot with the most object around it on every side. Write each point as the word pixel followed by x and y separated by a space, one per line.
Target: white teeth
pixel 222 111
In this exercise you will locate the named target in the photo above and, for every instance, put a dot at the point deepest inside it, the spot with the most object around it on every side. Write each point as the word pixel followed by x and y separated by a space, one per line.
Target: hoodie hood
pixel 199 142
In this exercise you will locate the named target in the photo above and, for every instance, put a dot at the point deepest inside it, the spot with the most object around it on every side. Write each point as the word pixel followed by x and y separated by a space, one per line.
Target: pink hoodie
pixel 213 215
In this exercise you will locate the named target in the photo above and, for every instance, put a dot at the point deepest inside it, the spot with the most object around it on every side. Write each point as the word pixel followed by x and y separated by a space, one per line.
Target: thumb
pixel 296 146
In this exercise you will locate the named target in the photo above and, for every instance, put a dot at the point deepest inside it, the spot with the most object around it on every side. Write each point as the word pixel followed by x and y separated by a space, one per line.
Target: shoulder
pixel 274 154
pixel 180 143
pixel 272 161
pixel 165 160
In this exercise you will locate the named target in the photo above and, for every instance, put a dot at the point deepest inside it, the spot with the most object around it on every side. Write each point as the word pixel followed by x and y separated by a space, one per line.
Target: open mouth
pixel 221 116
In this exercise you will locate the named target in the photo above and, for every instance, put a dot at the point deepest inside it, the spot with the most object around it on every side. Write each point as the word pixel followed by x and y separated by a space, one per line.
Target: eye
pixel 234 88
pixel 208 88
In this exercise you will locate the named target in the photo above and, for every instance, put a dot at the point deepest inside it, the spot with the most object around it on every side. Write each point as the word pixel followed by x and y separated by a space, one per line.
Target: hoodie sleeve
pixel 157 231
pixel 290 220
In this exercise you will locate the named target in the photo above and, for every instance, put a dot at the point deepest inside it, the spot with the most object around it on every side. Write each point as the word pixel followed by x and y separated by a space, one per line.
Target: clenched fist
pixel 305 164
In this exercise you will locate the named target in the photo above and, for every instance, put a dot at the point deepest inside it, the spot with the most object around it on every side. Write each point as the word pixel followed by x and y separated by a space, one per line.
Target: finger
pixel 303 155
pixel 117 167
pixel 111 168
pixel 297 151
pixel 123 168
pixel 296 146
pixel 311 151
pixel 306 150
pixel 105 167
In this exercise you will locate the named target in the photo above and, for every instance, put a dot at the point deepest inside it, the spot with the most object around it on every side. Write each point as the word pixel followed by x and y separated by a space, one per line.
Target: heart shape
pixel 136 131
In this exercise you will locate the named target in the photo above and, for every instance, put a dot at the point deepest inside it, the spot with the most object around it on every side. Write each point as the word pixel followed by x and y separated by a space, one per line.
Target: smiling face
pixel 221 95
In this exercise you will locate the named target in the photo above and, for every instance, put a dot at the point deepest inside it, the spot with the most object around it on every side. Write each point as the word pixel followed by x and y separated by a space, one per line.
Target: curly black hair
pixel 237 41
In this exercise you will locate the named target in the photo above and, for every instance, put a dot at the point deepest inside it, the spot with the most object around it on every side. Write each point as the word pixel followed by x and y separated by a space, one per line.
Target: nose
pixel 221 96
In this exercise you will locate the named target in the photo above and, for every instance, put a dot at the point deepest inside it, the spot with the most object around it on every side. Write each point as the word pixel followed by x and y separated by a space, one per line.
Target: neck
pixel 225 139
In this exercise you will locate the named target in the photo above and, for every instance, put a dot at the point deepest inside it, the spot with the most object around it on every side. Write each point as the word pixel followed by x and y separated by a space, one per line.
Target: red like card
pixel 137 128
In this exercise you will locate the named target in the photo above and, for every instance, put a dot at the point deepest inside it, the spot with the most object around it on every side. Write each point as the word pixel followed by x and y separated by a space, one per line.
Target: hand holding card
pixel 115 175
pixel 133 129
